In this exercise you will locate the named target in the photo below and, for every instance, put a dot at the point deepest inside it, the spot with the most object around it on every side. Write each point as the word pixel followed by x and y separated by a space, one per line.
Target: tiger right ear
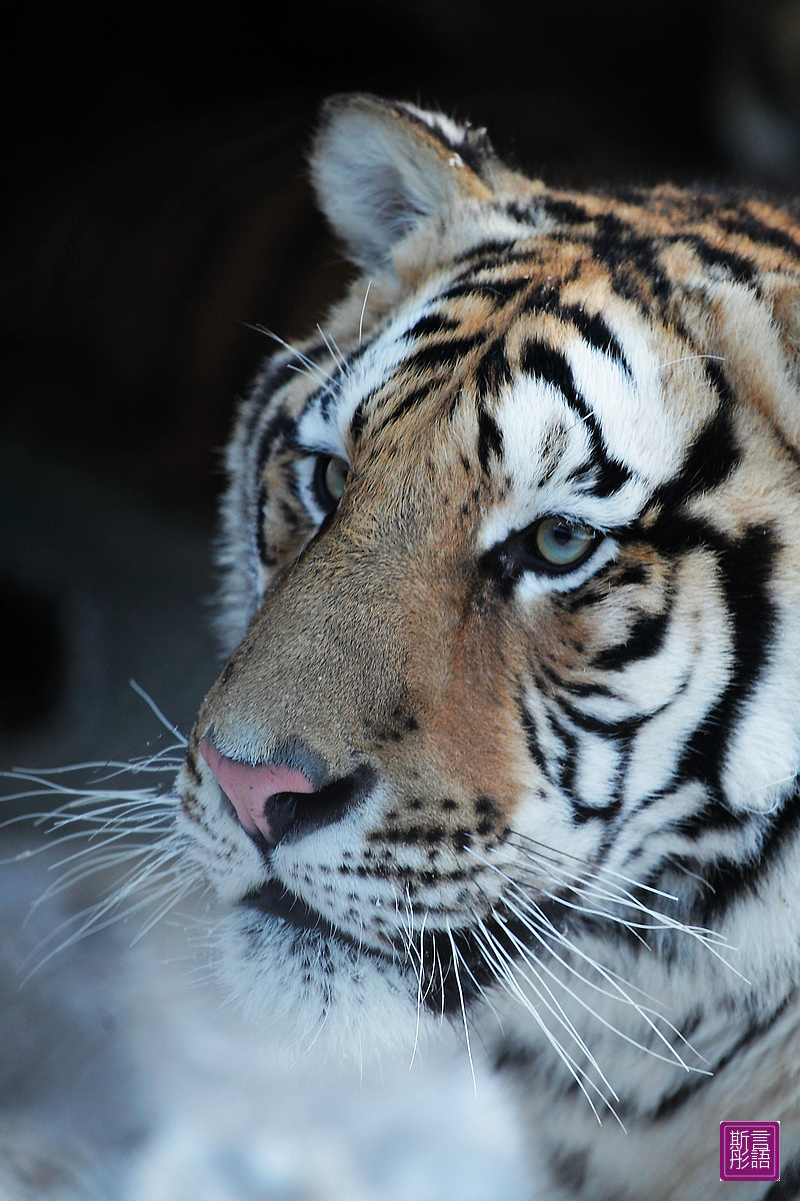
pixel 381 167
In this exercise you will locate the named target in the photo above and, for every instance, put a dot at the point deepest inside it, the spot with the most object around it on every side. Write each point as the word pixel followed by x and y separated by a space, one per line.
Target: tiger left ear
pixel 379 168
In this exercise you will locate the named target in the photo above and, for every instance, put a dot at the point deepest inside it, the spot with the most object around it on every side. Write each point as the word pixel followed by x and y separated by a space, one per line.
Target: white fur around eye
pixel 533 584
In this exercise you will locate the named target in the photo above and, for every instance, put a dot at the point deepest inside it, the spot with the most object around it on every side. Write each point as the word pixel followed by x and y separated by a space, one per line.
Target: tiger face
pixel 511 718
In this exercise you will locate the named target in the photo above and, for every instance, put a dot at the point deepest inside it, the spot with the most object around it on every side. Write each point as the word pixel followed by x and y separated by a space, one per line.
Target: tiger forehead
pixel 603 271
pixel 474 346
pixel 468 338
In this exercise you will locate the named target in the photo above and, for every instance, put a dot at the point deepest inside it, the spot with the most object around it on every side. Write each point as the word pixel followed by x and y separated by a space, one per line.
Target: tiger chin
pixel 509 732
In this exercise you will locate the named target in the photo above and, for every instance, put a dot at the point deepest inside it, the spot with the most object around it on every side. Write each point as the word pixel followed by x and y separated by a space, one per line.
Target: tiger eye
pixel 330 477
pixel 334 478
pixel 560 543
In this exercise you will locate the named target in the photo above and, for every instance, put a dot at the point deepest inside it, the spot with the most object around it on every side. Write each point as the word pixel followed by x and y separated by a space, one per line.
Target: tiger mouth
pixel 439 985
pixel 275 900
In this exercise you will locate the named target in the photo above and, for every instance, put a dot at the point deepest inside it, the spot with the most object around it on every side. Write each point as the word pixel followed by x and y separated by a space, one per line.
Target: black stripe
pixel 491 250
pixel 567 765
pixel 745 573
pixel 747 224
pixel 281 369
pixel 493 371
pixel 583 813
pixel 594 330
pixel 432 323
pixel 264 556
pixel 632 260
pixel 446 354
pixel 532 737
pixel 621 728
pixel 546 298
pixel 712 255
pixel 576 688
pixel 726 881
pixel 755 1030
pixel 279 425
pixel 566 212
pixel 500 291
pixel 645 639
pixel 710 460
pixel 547 364
pixel 490 439
pixel 495 255
pixel 358 421
pixel 408 402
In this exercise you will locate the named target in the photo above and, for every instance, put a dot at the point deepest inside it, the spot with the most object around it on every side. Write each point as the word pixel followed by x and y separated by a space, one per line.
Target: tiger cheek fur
pixel 510 725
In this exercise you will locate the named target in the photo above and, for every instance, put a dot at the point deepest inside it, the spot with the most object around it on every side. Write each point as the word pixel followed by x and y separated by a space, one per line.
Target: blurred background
pixel 155 208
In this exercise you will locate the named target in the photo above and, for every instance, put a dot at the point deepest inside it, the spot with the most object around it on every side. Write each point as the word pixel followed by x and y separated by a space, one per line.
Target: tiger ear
pixel 381 167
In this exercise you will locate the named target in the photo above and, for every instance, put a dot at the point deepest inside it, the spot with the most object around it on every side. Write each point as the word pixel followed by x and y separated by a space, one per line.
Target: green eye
pixel 330 474
pixel 562 544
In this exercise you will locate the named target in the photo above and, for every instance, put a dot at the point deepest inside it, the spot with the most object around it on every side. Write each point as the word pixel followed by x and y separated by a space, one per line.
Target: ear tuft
pixel 380 167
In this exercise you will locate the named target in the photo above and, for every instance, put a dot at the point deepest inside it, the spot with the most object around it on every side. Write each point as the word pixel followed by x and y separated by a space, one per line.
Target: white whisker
pixel 148 700
pixel 456 958
pixel 333 349
pixel 505 970
pixel 363 311
pixel 686 358
pixel 620 995
pixel 307 366
pixel 420 995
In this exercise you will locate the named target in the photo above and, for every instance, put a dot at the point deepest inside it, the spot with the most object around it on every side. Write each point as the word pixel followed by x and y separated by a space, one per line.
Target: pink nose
pixel 250 788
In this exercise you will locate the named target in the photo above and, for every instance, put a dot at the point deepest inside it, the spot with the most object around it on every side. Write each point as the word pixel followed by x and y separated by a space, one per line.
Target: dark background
pixel 155 206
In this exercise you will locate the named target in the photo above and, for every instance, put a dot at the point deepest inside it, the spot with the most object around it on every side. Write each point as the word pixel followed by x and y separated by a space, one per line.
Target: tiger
pixel 508 732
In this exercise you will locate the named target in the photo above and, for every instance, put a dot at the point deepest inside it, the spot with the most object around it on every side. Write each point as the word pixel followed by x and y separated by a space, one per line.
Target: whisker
pixel 333 349
pixel 97 830
pixel 420 994
pixel 548 854
pixel 310 368
pixel 588 884
pixel 553 1005
pixel 455 960
pixel 504 969
pixel 363 311
pixel 148 700
pixel 688 357
pixel 620 995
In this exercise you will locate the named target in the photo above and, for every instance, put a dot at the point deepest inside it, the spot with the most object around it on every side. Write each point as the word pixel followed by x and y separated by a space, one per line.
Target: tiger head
pixel 511 594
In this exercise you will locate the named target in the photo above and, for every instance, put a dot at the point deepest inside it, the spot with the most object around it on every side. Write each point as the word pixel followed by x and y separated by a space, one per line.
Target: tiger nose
pixel 250 788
